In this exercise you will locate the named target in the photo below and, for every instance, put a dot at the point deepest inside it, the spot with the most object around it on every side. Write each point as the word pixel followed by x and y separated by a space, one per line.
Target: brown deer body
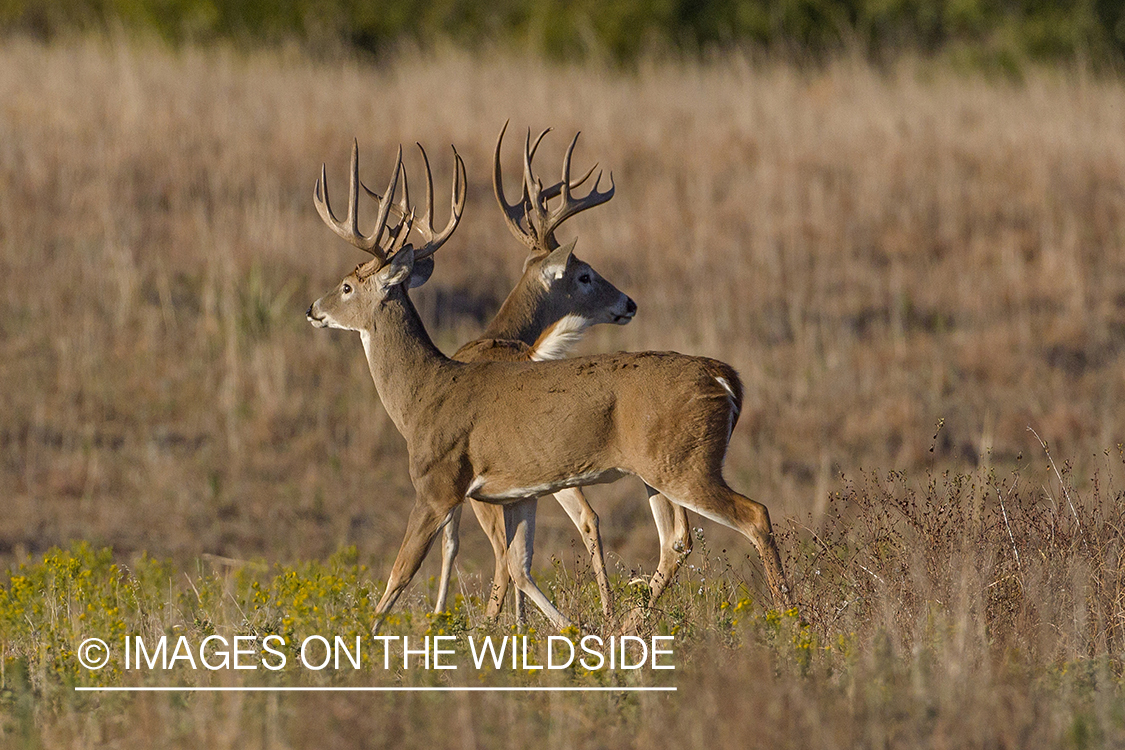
pixel 501 432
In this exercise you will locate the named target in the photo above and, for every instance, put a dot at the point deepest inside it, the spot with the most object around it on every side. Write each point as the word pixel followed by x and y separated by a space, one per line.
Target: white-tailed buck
pixel 501 432
pixel 548 310
pixel 557 298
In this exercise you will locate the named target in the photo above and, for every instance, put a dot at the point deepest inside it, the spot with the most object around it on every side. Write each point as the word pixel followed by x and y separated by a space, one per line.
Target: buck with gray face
pixel 501 432
pixel 546 313
pixel 556 299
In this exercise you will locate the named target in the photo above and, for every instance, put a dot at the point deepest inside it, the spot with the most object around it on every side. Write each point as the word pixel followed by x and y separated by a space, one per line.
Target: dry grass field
pixel 908 268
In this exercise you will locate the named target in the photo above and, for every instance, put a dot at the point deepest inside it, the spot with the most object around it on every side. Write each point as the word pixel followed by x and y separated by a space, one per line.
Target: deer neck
pixel 403 361
pixel 524 315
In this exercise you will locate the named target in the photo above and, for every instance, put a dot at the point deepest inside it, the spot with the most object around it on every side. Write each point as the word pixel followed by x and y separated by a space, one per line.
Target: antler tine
pixel 427 227
pixel 535 146
pixel 349 228
pixel 543 194
pixel 387 200
pixel 512 212
pixel 398 235
pixel 532 187
pixel 320 198
pixel 400 209
pixel 540 222
pixel 552 191
pixel 353 192
pixel 457 208
pixel 571 206
pixel 544 222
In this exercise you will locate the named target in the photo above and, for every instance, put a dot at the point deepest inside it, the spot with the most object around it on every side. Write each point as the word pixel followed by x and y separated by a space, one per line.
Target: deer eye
pixel 347 288
pixel 584 278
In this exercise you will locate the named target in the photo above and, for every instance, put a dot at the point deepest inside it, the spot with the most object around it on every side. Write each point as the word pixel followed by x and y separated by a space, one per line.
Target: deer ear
pixel 421 273
pixel 554 265
pixel 398 268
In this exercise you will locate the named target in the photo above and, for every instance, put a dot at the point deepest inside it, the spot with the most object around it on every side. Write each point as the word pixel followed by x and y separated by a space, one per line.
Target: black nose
pixel 308 313
pixel 631 307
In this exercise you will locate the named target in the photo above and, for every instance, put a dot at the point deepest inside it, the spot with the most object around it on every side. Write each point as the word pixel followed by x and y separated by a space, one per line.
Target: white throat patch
pixel 557 341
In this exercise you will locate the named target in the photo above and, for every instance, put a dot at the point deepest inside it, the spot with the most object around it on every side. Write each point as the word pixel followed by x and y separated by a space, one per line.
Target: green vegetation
pixel 996 31
pixel 959 609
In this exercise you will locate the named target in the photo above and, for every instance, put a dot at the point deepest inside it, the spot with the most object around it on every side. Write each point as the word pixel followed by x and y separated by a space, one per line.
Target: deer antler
pixel 433 239
pixel 349 228
pixel 545 222
pixel 532 207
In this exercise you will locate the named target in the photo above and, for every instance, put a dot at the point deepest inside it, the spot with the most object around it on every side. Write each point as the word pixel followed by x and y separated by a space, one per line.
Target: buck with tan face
pixel 556 299
pixel 501 432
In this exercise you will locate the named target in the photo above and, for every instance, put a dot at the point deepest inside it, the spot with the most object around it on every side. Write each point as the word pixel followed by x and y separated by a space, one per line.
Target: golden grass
pixel 873 252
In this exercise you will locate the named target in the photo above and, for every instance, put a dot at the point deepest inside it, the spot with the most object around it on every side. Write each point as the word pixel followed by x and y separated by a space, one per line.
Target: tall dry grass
pixel 935 621
pixel 874 252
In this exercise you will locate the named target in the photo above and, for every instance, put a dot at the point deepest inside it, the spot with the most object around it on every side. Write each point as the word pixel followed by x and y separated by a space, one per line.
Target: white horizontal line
pixel 316 689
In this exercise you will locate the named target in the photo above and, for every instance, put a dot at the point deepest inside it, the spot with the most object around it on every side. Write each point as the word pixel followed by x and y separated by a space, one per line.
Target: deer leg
pixel 754 521
pixel 421 529
pixel 491 519
pixel 519 522
pixel 712 498
pixel 675 544
pixel 675 541
pixel 574 502
pixel 450 543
